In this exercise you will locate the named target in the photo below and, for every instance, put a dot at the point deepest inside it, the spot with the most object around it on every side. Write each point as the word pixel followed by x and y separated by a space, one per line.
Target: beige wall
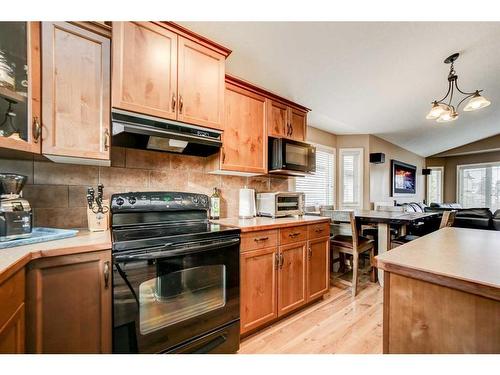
pixel 57 191
pixel 321 137
pixel 450 164
pixel 380 174
pixel 483 145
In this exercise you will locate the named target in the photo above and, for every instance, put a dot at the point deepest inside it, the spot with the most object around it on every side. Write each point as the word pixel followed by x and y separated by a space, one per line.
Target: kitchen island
pixel 442 293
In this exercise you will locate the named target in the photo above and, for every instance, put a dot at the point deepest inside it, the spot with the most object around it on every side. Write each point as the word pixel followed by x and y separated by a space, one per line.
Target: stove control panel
pixel 158 201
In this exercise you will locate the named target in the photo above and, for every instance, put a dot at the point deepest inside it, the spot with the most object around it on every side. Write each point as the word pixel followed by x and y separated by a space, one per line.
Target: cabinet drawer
pixel 318 230
pixel 293 234
pixel 259 240
pixel 11 296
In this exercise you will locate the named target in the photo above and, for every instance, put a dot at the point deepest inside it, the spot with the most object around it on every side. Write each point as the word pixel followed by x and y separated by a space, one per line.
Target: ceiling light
pixel 442 111
pixel 476 102
pixel 436 111
pixel 448 116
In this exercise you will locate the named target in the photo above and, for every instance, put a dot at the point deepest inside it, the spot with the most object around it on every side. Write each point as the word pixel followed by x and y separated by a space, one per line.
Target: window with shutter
pixel 478 185
pixel 435 185
pixel 319 188
pixel 351 177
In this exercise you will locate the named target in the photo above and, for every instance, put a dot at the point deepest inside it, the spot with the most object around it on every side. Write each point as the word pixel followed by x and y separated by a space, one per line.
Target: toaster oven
pixel 280 204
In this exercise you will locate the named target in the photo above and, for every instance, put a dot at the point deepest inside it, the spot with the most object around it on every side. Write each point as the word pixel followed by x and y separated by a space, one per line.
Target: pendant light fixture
pixel 442 110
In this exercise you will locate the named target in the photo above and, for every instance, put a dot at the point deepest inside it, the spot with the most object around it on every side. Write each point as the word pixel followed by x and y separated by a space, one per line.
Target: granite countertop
pixel 466 255
pixel 14 258
pixel 263 223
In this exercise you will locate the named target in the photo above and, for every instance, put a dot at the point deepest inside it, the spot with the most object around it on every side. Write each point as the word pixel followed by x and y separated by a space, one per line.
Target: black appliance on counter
pixel 154 133
pixel 293 158
pixel 16 220
pixel 176 277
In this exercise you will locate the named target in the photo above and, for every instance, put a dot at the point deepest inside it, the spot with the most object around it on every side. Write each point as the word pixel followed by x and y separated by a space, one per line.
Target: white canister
pixel 247 203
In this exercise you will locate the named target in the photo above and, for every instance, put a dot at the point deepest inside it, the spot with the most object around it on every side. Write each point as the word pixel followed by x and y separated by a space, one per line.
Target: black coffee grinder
pixel 15 212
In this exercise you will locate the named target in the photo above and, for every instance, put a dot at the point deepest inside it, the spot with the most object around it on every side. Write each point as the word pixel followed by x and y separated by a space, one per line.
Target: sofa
pixel 476 218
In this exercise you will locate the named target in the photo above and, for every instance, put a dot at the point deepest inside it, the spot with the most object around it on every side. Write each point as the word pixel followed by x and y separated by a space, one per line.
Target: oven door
pixel 166 296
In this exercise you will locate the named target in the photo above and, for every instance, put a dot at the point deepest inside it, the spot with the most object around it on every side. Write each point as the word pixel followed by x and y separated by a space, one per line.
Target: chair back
pixel 342 221
pixel 390 208
pixel 448 219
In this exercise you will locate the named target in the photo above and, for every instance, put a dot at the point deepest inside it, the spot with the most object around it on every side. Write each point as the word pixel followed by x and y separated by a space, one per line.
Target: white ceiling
pixel 371 77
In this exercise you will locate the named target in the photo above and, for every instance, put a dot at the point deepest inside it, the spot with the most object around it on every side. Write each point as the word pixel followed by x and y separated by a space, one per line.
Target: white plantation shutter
pixel 435 185
pixel 479 185
pixel 351 177
pixel 319 187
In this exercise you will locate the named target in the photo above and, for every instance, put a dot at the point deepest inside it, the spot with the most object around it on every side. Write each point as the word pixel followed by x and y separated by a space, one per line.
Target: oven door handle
pixel 173 253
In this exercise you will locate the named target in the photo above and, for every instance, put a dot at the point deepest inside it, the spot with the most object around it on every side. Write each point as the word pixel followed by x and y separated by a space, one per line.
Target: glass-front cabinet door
pixel 20 86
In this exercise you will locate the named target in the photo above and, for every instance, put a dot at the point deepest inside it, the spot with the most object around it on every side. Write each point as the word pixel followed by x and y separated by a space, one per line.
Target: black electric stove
pixel 175 276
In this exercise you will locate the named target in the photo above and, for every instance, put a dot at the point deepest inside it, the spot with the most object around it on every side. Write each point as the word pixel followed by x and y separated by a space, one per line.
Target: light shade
pixel 476 102
pixel 448 116
pixel 436 111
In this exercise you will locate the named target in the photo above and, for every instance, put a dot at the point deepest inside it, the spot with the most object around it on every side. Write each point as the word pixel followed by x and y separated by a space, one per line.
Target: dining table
pixel 384 220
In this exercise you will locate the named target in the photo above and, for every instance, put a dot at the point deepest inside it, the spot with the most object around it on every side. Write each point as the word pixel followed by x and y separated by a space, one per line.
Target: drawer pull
pixel 261 239
pixel 319 230
pixel 295 234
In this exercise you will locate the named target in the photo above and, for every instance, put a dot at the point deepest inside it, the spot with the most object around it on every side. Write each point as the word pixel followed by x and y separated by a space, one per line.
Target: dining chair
pixel 351 244
pixel 372 231
pixel 447 220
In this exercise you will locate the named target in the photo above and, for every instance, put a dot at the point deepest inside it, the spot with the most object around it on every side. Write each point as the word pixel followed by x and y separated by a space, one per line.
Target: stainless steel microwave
pixel 288 157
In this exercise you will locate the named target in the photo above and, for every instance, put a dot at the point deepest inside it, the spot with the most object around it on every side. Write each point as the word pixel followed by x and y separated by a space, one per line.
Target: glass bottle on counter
pixel 215 205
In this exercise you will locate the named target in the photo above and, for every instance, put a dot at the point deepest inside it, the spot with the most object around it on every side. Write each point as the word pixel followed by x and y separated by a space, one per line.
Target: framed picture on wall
pixel 403 178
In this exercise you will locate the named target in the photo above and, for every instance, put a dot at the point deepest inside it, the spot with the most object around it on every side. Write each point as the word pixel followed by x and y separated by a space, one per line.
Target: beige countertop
pixel 263 223
pixel 464 255
pixel 13 258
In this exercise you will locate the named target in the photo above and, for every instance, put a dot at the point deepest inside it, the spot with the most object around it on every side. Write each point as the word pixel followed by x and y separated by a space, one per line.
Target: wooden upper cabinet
pixel 277 118
pixel 76 92
pixel 244 139
pixel 318 275
pixel 297 124
pixel 201 74
pixel 292 277
pixel 145 69
pixel 69 304
pixel 20 93
pixel 258 272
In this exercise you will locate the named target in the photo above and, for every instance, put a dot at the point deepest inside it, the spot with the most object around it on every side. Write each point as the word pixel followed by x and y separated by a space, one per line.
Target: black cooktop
pixel 143 236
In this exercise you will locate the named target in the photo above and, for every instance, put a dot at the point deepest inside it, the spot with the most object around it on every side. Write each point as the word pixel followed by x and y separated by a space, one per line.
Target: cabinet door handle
pixel 310 252
pixel 282 260
pixel 173 102
pixel 106 274
pixel 277 260
pixel 261 239
pixel 181 103
pixel 223 156
pixel 37 129
pixel 287 129
pixel 106 140
pixel 291 129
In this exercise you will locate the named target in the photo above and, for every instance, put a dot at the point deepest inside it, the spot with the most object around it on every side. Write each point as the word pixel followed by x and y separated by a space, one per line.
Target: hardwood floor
pixel 337 324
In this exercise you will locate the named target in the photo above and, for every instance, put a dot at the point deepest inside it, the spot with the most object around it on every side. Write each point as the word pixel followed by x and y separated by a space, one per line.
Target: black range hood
pixel 152 133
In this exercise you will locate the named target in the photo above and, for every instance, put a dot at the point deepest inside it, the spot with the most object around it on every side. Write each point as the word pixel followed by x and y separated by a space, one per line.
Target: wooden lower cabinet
pixel 318 276
pixel 12 314
pixel 69 304
pixel 292 277
pixel 283 275
pixel 258 292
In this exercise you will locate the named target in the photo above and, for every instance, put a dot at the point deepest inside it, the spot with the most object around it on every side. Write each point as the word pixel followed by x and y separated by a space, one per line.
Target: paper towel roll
pixel 247 203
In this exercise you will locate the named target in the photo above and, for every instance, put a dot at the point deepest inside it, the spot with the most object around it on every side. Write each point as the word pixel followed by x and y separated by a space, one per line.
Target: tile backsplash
pixel 57 191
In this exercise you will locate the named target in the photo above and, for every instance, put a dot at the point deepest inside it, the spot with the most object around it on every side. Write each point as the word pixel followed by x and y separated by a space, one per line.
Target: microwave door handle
pixel 180 252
